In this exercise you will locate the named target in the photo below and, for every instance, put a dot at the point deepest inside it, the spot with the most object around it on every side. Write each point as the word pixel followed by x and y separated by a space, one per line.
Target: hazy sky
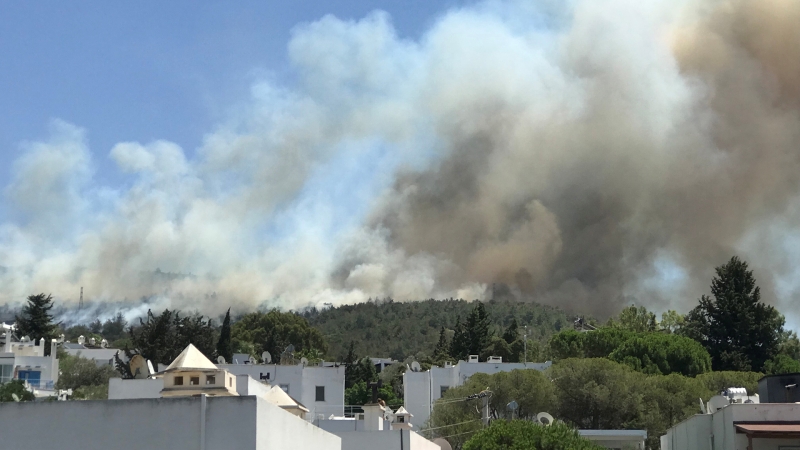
pixel 586 153
pixel 151 69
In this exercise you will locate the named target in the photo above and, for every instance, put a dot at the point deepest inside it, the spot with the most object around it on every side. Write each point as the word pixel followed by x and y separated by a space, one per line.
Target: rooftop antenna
pixel 80 302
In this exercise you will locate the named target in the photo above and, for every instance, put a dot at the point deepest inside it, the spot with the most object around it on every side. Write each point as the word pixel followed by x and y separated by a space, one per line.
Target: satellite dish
pixel 289 349
pixel 415 366
pixel 304 361
pixel 252 360
pixel 220 359
pixel 512 405
pixel 703 407
pixel 15 397
pixel 81 339
pixel 138 367
pixel 443 444
pixel 266 358
pixel 545 419
pixel 716 403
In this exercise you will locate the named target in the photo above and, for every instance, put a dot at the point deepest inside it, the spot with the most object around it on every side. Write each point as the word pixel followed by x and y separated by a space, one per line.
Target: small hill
pixel 385 328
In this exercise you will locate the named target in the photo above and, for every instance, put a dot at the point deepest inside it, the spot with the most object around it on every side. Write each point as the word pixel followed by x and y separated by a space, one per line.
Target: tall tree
pixel 224 345
pixel 459 346
pixel 636 319
pixel 36 322
pixel 477 329
pixel 274 331
pixel 350 361
pixel 738 330
pixel 163 337
pixel 441 351
pixel 512 332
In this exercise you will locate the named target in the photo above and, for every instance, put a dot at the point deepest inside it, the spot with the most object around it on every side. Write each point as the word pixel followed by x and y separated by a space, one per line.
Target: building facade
pixel 320 389
pixel 423 388
pixel 26 361
pixel 179 423
pixel 738 426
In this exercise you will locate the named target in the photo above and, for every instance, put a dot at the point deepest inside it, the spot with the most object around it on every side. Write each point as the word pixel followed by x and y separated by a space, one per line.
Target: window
pixel 178 381
pixel 194 381
pixel 401 419
pixel 285 387
pixel 442 390
pixel 320 394
pixel 6 373
pixel 211 379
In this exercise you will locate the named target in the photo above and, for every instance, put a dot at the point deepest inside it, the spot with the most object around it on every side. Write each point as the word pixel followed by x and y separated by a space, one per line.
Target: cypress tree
pixel 224 344
pixel 442 349
pixel 459 346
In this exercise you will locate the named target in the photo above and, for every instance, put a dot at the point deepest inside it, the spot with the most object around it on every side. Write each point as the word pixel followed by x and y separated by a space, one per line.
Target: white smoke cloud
pixel 583 153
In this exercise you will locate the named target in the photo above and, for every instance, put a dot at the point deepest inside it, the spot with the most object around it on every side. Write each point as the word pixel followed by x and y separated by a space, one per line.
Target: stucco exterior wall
pixel 119 389
pixel 173 424
pixel 717 431
pixel 301 383
pixel 385 440
pixel 278 429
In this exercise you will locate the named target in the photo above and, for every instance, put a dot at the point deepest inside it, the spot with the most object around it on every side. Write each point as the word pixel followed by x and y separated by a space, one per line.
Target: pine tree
pixel 350 366
pixel 224 344
pixel 36 322
pixel 512 332
pixel 738 330
pixel 442 350
pixel 477 329
pixel 459 346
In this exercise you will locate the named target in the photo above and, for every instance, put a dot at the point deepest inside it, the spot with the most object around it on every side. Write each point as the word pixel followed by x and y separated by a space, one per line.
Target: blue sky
pixel 156 70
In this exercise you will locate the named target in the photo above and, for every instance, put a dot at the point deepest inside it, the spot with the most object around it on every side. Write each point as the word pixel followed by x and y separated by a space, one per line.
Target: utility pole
pixel 80 302
pixel 485 410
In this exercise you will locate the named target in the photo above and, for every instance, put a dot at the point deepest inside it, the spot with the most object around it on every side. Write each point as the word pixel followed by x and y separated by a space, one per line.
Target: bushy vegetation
pixel 385 328
pixel 525 435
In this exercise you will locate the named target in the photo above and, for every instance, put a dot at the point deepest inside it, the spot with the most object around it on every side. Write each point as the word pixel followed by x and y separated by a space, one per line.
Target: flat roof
pixel 614 433
pixel 769 429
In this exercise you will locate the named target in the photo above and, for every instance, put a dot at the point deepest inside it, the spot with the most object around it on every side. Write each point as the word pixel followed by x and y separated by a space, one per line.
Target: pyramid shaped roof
pixel 278 396
pixel 191 358
pixel 403 412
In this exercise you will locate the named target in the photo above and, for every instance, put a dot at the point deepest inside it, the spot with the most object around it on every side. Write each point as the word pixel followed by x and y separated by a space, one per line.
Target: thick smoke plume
pixel 588 155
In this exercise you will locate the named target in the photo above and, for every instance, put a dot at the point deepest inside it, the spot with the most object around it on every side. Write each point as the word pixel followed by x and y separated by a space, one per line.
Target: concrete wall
pixel 301 383
pixel 717 431
pixel 278 429
pixel 385 440
pixel 246 423
pixel 119 389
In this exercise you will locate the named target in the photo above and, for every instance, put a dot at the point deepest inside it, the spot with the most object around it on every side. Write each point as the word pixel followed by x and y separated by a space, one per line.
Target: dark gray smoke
pixel 585 154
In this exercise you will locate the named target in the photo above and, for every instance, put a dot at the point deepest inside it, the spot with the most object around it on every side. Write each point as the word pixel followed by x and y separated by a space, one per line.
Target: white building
pixel 422 389
pixel 617 439
pixel 738 426
pixel 320 389
pixel 177 423
pixel 377 428
pixel 101 356
pixel 26 361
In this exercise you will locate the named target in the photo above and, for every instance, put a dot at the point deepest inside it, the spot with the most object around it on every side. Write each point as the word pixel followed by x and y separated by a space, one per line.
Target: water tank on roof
pixel 779 388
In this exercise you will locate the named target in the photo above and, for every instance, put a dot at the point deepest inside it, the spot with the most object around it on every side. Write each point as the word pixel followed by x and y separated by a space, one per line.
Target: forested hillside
pixel 384 328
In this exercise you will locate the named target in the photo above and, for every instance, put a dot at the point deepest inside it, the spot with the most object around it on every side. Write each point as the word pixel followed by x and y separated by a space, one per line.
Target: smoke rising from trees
pixel 588 155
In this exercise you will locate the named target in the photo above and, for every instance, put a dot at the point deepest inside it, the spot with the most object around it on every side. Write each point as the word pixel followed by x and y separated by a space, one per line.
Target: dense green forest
pixel 385 328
